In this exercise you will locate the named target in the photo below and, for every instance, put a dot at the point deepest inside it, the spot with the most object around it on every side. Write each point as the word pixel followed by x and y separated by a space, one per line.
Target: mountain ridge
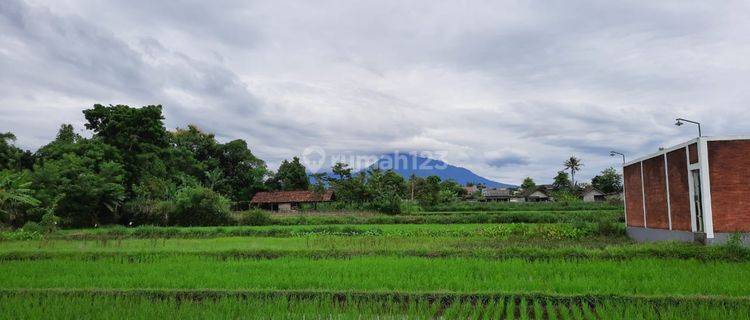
pixel 407 164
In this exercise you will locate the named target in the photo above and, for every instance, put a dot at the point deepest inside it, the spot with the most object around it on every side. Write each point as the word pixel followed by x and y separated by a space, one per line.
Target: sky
pixel 507 89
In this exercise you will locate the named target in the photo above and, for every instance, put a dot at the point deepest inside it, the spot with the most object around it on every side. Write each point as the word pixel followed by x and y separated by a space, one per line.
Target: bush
pixel 388 204
pixel 32 227
pixel 607 227
pixel 255 217
pixel 197 206
pixel 50 222
pixel 410 207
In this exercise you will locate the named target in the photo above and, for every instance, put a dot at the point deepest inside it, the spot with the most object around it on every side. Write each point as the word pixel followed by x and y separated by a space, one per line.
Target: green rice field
pixel 580 269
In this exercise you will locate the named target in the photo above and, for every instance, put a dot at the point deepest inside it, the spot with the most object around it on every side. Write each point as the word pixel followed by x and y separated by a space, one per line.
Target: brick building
pixel 695 191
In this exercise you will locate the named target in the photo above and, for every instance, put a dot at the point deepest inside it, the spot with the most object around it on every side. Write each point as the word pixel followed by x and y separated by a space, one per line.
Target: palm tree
pixel 574 164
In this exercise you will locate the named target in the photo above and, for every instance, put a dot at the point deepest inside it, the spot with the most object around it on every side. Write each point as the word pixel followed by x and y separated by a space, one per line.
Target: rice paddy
pixel 561 270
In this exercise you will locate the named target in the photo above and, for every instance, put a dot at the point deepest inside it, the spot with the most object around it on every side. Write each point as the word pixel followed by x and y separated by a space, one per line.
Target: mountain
pixel 407 164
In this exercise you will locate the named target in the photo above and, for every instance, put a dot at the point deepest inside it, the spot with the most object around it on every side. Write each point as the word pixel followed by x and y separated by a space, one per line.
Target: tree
pixel 292 175
pixel 427 190
pixel 562 181
pixel 528 184
pixel 342 170
pixel 574 165
pixel 83 191
pixel 385 190
pixel 80 180
pixel 609 181
pixel 320 182
pixel 243 171
pixel 138 133
pixel 15 192
pixel 10 155
pixel 198 206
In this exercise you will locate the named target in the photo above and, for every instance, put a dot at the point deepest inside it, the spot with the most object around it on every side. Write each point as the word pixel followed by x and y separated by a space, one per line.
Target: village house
pixel 289 201
pixel 591 194
pixel 540 194
pixel 495 195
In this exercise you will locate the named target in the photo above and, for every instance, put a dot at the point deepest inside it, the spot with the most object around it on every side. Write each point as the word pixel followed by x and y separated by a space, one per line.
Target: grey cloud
pixel 511 160
pixel 507 89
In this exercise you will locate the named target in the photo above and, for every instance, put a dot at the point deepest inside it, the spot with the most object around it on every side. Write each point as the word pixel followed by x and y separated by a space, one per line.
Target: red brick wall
pixel 729 166
pixel 654 184
pixel 633 195
pixel 693 150
pixel 679 191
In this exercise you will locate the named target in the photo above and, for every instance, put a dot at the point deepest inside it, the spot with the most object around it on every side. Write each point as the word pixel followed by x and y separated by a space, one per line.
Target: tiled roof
pixel 291 196
pixel 496 193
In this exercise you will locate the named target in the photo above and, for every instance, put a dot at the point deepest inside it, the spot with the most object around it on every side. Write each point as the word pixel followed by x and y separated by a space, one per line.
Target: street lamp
pixel 681 121
pixel 614 153
pixel 624 203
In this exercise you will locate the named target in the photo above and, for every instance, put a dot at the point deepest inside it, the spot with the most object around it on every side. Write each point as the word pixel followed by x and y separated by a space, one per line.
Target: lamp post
pixel 624 203
pixel 681 121
pixel 614 153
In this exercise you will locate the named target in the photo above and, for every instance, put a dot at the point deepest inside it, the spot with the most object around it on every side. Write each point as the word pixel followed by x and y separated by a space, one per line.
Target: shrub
pixel 50 222
pixel 410 207
pixel 388 203
pixel 197 206
pixel 255 217
pixel 607 227
pixel 32 227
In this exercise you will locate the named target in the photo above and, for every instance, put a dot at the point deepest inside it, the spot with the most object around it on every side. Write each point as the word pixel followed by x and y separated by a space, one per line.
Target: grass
pixel 330 246
pixel 556 231
pixel 545 261
pixel 317 305
pixel 383 274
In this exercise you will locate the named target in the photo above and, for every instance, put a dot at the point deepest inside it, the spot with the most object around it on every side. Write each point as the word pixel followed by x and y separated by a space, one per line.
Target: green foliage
pixel 50 222
pixel 83 190
pixel 528 184
pixel 292 175
pixel 15 196
pixel 32 227
pixel 138 133
pixel 255 217
pixel 574 165
pixel 385 189
pixel 426 190
pixel 197 206
pixel 12 157
pixel 410 207
pixel 608 181
pixel 565 195
pixel 217 304
pixel 562 181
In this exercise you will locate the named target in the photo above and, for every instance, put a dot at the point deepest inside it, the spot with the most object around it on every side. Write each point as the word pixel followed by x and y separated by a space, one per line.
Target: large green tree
pixel 608 181
pixel 11 157
pixel 138 133
pixel 528 184
pixel 562 181
pixel 292 175
pixel 81 180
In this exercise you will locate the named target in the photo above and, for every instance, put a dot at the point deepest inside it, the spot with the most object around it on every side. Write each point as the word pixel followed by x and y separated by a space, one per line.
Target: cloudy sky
pixel 507 89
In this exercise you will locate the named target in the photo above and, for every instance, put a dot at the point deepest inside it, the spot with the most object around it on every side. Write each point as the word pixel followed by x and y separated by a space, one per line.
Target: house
pixel 470 189
pixel 591 194
pixel 694 191
pixel 495 194
pixel 540 194
pixel 287 201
